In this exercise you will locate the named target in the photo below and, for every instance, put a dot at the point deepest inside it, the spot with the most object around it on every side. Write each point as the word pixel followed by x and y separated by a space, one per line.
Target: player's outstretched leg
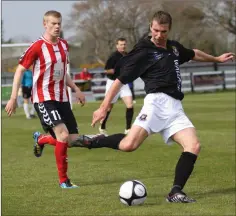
pixel 98 141
pixel 122 142
pixel 38 149
pixel 85 141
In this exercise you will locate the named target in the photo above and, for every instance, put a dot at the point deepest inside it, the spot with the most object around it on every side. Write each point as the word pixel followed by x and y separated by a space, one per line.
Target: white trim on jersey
pixel 36 74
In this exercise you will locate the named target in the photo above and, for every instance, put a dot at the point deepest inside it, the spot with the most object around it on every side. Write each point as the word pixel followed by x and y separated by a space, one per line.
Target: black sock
pixel 103 126
pixel 183 170
pixel 129 117
pixel 112 141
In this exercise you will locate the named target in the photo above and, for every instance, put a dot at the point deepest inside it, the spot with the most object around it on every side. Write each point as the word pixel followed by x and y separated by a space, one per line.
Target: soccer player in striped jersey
pixel 49 57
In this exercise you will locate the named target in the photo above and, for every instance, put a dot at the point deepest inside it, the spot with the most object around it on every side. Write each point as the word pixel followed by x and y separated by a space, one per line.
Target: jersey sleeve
pixel 29 56
pixel 65 48
pixel 132 65
pixel 185 54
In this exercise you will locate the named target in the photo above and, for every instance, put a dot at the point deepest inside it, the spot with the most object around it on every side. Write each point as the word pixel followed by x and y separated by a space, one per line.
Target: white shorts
pixel 162 114
pixel 124 91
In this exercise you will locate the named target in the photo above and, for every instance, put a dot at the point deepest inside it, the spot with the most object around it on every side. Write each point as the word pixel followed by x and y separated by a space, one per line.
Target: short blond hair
pixel 52 13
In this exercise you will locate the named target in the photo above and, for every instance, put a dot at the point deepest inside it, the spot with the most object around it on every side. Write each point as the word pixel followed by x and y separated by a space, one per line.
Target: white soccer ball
pixel 132 193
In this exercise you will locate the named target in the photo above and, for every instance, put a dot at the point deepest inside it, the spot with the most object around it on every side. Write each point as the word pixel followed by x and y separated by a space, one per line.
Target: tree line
pixel 209 25
pixel 204 24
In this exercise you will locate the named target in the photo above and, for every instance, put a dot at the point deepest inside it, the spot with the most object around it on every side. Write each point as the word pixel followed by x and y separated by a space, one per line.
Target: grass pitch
pixel 30 185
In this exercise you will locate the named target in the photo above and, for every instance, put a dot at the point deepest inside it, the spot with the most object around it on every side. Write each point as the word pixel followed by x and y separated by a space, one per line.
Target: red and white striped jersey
pixel 49 69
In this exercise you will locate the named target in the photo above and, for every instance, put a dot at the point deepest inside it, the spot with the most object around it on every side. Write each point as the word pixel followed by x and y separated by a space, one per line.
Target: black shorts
pixel 52 113
pixel 26 92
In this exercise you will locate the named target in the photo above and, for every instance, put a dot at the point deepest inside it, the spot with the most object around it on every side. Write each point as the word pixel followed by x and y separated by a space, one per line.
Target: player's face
pixel 52 26
pixel 159 33
pixel 121 46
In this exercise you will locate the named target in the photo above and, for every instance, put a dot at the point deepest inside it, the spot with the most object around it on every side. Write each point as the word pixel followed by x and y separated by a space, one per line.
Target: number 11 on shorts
pixel 56 115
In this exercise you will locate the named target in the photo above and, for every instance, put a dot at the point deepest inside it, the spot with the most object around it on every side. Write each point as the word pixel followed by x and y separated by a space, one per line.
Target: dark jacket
pixel 156 66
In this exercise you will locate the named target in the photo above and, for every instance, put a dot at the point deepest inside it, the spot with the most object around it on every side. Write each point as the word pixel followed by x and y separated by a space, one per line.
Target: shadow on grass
pixel 215 192
pixel 102 182
pixel 117 180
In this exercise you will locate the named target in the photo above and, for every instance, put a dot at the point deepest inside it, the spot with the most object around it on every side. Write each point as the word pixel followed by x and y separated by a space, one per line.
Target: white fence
pixel 193 79
pixel 191 82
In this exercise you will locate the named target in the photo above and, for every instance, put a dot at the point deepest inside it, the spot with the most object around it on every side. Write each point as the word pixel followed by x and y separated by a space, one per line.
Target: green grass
pixel 30 187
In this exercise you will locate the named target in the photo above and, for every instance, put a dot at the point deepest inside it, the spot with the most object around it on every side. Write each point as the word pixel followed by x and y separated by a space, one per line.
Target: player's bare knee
pixel 197 147
pixel 129 106
pixel 62 136
pixel 194 147
pixel 128 147
pixel 129 144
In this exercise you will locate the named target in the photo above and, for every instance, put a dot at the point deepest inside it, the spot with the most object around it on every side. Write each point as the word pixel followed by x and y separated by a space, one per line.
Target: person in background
pixel 124 93
pixel 85 76
pixel 20 100
pixel 131 86
pixel 26 86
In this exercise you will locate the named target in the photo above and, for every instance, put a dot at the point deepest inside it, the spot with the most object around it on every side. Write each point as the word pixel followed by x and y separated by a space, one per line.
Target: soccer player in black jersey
pixel 156 61
pixel 124 92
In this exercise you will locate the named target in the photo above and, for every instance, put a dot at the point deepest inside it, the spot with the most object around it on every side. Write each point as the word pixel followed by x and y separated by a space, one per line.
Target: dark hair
pixel 120 39
pixel 162 17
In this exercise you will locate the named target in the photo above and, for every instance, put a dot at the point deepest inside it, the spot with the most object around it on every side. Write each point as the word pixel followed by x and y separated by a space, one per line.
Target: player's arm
pixel 22 79
pixel 109 71
pixel 79 95
pixel 198 55
pixel 25 62
pixel 70 83
pixel 11 104
pixel 204 57
pixel 17 81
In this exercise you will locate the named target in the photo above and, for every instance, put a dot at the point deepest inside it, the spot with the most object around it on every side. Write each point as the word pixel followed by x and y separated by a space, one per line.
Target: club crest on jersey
pixel 175 51
pixel 157 56
pixel 143 117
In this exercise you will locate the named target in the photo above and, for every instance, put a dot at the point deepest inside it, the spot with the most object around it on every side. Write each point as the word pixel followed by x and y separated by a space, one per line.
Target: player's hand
pixel 98 115
pixel 80 96
pixel 11 107
pixel 225 57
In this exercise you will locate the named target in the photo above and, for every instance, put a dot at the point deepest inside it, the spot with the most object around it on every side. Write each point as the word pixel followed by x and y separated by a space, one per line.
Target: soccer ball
pixel 133 193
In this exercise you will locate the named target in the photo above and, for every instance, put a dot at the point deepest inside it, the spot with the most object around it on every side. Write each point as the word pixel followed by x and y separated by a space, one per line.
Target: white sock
pixel 32 109
pixel 26 109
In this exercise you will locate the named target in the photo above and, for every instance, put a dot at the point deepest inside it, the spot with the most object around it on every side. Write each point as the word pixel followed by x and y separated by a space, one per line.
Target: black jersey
pixel 111 63
pixel 156 66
